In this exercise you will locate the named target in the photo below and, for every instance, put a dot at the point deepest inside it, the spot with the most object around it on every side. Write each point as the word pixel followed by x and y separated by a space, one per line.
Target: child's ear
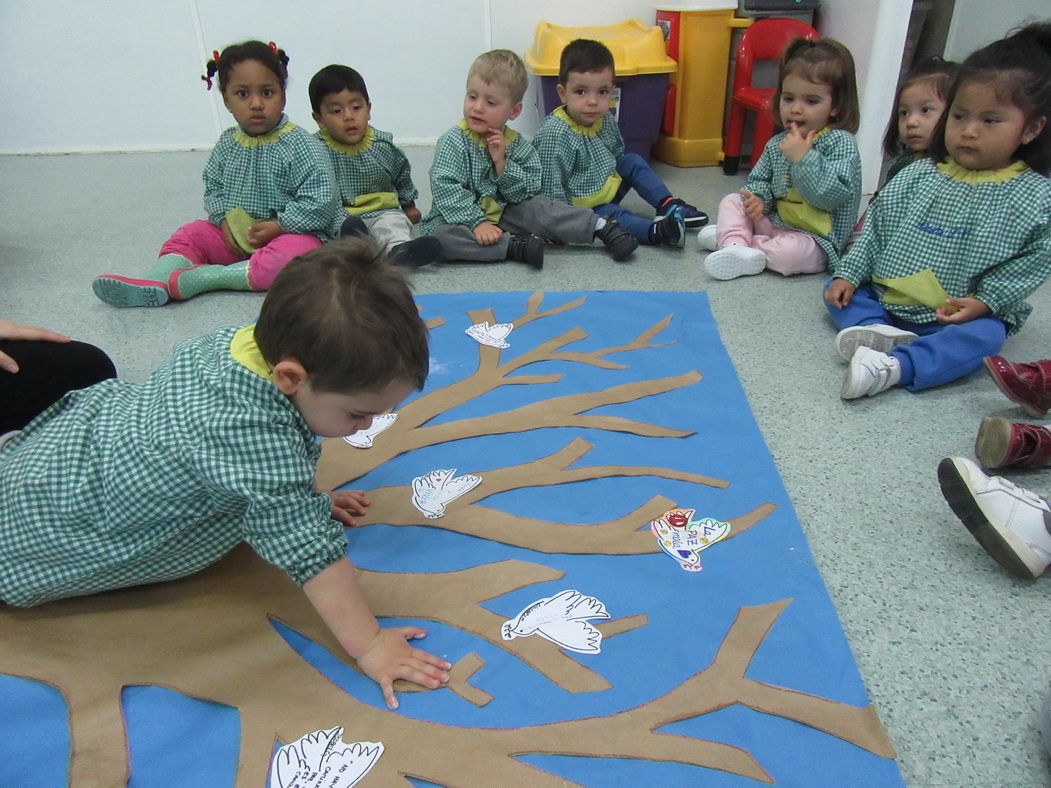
pixel 317 118
pixel 561 90
pixel 288 375
pixel 1033 129
pixel 516 111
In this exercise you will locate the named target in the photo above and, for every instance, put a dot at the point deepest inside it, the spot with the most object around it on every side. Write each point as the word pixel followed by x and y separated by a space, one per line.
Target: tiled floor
pixel 955 653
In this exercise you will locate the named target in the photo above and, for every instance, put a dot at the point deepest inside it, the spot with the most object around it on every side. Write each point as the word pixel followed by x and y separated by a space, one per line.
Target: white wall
pixel 976 23
pixel 82 75
pixel 875 35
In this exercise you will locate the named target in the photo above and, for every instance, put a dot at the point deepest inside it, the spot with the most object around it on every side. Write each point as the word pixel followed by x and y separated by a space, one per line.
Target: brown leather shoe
pixel 1001 443
pixel 1027 384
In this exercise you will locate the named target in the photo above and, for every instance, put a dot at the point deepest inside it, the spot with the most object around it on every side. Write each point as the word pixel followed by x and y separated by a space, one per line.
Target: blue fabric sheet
pixel 175 740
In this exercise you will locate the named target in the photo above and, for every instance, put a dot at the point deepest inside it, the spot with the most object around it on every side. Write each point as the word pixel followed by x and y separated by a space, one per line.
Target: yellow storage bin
pixel 641 83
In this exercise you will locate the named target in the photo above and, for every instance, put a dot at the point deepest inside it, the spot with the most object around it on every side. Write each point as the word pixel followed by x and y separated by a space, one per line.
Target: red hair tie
pixel 273 47
pixel 215 56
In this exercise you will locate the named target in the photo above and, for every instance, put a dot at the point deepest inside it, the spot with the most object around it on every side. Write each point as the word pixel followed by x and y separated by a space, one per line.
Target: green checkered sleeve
pixel 122 484
pixel 455 175
pixel 827 177
pixel 522 172
pixel 761 175
pixel 556 158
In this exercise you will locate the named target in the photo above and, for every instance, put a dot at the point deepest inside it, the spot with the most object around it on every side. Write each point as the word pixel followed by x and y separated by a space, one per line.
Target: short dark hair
pixel 825 61
pixel 583 55
pixel 348 317
pixel 268 55
pixel 335 79
pixel 1019 70
pixel 933 71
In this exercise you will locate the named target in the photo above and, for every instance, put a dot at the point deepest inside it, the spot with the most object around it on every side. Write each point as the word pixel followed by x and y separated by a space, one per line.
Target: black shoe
pixel 352 227
pixel 691 217
pixel 419 251
pixel 618 242
pixel 669 230
pixel 528 249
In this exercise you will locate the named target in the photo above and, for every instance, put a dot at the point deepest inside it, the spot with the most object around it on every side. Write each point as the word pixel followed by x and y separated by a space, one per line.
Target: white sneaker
pixel 708 238
pixel 1012 524
pixel 733 261
pixel 870 373
pixel 878 336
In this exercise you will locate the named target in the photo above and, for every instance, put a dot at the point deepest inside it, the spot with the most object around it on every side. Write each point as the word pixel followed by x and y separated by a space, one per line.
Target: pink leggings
pixel 202 243
pixel 787 251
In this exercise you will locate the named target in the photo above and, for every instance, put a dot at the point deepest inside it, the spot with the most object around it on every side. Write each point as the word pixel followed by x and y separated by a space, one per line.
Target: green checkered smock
pixel 464 186
pixel 121 484
pixel 284 174
pixel 577 160
pixel 372 175
pixel 828 178
pixel 984 234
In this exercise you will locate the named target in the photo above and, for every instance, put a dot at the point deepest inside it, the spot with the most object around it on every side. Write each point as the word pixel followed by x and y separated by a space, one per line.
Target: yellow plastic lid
pixel 637 48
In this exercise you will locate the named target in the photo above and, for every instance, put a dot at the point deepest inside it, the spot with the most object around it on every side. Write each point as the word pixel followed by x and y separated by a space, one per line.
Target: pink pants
pixel 202 243
pixel 787 251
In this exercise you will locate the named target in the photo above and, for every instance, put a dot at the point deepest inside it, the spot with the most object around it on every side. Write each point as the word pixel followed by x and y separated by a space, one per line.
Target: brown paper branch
pixel 341 462
pixel 455 598
pixel 620 536
pixel 207 636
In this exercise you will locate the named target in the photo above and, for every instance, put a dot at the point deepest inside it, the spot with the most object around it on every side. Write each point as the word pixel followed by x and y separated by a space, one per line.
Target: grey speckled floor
pixel 955 653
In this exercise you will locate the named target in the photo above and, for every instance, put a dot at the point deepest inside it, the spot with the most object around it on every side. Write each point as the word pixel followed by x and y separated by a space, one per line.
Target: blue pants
pixel 944 351
pixel 635 173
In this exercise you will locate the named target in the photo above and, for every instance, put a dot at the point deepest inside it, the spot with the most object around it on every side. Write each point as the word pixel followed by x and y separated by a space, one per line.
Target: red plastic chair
pixel 764 40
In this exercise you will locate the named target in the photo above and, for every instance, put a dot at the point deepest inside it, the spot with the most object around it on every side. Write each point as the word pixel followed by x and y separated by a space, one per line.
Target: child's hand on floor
pixel 389 657
pixel 413 213
pixel 961 310
pixel 262 233
pixel 754 207
pixel 346 503
pixel 839 293
pixel 795 146
pixel 487 233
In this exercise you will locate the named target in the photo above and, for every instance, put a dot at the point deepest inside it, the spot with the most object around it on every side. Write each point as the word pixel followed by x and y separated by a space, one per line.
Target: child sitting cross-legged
pixel 583 154
pixel 123 484
pixel 373 176
pixel 485 181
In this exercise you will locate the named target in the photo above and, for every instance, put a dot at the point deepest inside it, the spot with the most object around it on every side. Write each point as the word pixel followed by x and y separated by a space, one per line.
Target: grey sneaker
pixel 877 336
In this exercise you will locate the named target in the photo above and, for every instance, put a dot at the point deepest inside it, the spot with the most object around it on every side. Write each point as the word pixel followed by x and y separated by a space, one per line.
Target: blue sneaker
pixel 668 230
pixel 691 217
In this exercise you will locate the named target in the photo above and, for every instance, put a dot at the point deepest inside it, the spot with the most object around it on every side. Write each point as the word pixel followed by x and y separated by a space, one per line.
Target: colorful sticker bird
pixel 683 538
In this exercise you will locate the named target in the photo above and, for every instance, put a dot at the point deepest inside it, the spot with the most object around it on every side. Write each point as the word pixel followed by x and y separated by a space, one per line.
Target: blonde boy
pixel 485 180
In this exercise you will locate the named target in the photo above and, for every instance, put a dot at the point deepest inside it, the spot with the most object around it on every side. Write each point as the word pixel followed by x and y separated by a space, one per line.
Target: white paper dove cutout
pixel 562 619
pixel 432 491
pixel 492 335
pixel 323 759
pixel 683 538
pixel 362 439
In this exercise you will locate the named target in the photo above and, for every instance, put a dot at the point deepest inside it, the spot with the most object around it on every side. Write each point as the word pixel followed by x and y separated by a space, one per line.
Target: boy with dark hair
pixel 124 484
pixel 582 153
pixel 485 180
pixel 372 175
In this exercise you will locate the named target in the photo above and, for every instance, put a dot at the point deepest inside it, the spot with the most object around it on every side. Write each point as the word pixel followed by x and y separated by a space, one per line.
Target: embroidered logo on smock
pixel 942 232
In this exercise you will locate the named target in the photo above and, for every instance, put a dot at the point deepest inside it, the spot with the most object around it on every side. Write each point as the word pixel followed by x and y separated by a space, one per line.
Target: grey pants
pixel 552 221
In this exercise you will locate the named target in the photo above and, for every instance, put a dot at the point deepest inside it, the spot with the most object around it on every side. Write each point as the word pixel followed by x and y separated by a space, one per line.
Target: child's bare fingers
pixel 430 659
pixel 425 675
pixel 387 687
